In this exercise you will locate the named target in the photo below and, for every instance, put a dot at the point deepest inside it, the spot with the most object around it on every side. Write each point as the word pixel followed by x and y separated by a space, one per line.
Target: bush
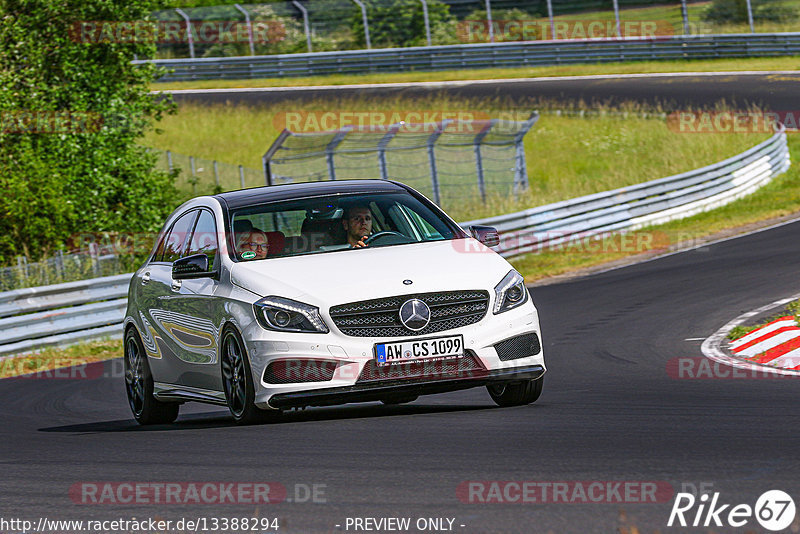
pixel 87 174
pixel 735 12
pixel 400 22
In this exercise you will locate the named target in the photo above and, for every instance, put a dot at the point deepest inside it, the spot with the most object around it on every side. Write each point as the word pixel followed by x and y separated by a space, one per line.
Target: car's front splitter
pixel 374 391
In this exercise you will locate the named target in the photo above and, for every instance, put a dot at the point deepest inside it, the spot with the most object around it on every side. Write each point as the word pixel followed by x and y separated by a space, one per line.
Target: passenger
pixel 357 222
pixel 252 245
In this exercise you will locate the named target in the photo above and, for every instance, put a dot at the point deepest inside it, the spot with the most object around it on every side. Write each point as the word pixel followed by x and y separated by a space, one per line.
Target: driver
pixel 357 222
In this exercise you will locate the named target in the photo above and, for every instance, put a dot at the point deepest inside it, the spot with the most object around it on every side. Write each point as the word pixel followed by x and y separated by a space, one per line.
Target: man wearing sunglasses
pixel 252 245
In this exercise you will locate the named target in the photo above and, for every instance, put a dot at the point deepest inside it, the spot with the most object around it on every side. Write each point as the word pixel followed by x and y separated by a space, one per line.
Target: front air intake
pixel 518 347
pixel 299 371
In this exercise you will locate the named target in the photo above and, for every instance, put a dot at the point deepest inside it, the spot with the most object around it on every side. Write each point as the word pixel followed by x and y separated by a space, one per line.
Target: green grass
pixel 567 156
pixel 44 362
pixel 634 67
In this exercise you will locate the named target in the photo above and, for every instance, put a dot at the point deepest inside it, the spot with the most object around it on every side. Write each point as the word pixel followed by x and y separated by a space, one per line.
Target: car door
pixel 195 313
pixel 158 292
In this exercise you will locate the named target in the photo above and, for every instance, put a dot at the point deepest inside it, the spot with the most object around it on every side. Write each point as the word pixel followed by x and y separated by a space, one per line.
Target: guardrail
pixel 60 314
pixel 511 54
pixel 649 203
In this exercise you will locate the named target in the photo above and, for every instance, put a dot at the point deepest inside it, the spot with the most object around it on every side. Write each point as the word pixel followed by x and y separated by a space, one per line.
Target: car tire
pixel 398 399
pixel 516 393
pixel 237 381
pixel 147 410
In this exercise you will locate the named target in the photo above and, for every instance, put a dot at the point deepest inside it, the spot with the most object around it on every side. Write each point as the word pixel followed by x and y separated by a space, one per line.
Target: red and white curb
pixel 773 348
pixel 776 344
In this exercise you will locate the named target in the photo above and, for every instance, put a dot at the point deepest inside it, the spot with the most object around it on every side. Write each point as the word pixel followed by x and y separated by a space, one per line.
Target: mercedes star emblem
pixel 415 314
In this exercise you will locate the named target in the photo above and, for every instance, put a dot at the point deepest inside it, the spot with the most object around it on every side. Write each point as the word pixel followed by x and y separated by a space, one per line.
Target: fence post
pixel 616 17
pixel 520 167
pixel 750 17
pixel 479 157
pixel 267 157
pixel 437 194
pixel 427 21
pixel 216 174
pixel 241 175
pixel 360 4
pixel 169 160
pixel 189 36
pixel 388 136
pixel 685 15
pixel 60 264
pixel 489 21
pixel 22 266
pixel 249 27
pixel 329 150
pixel 194 176
pixel 552 19
pixel 306 25
pixel 94 252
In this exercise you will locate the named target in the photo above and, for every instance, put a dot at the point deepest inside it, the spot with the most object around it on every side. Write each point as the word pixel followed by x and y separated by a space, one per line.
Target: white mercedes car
pixel 324 293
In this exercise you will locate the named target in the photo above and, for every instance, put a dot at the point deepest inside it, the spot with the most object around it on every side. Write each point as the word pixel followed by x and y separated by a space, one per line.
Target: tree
pixel 735 11
pixel 72 108
pixel 399 22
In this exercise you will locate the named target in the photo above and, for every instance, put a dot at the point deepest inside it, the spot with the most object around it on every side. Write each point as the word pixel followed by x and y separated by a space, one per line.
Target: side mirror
pixel 191 267
pixel 486 235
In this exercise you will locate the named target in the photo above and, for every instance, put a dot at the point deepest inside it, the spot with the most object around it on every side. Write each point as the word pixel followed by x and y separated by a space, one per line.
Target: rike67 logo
pixel 774 510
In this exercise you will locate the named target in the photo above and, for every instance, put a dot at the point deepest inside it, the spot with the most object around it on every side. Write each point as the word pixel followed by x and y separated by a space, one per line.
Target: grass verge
pixel 45 363
pixel 793 309
pixel 635 67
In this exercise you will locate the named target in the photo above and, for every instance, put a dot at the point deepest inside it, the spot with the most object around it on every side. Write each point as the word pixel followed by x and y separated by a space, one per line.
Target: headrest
pixel 317 226
pixel 242 225
pixel 276 242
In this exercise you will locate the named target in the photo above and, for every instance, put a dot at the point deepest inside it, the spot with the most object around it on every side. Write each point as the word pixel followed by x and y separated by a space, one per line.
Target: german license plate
pixel 420 349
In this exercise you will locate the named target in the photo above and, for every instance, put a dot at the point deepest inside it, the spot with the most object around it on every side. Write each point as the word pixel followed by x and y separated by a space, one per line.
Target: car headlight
pixel 510 292
pixel 285 315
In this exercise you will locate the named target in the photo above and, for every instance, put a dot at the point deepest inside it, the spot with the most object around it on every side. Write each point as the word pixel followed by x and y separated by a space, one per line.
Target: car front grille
pixel 468 366
pixel 518 347
pixel 381 317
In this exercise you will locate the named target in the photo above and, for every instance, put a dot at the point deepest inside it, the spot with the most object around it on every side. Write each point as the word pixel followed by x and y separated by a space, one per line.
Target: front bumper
pixel 376 391
pixel 354 381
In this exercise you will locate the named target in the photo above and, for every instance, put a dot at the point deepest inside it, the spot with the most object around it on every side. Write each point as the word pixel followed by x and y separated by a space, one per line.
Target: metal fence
pixel 647 204
pixel 61 314
pixel 449 161
pixel 199 176
pixel 510 54
pixel 67 313
pixel 294 26
pixel 60 268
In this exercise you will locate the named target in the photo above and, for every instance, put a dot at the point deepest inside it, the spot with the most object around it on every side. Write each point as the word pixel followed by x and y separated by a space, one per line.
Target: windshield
pixel 334 223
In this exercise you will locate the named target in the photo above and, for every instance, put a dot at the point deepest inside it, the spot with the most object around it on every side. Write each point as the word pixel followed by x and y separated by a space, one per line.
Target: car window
pixel 204 238
pixel 316 225
pixel 427 229
pixel 178 236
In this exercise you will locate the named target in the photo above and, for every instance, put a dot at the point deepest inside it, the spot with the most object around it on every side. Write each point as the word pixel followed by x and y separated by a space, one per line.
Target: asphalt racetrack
pixel 614 410
pixel 770 91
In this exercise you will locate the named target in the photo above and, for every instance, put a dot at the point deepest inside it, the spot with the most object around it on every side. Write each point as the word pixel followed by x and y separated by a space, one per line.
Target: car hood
pixel 331 278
